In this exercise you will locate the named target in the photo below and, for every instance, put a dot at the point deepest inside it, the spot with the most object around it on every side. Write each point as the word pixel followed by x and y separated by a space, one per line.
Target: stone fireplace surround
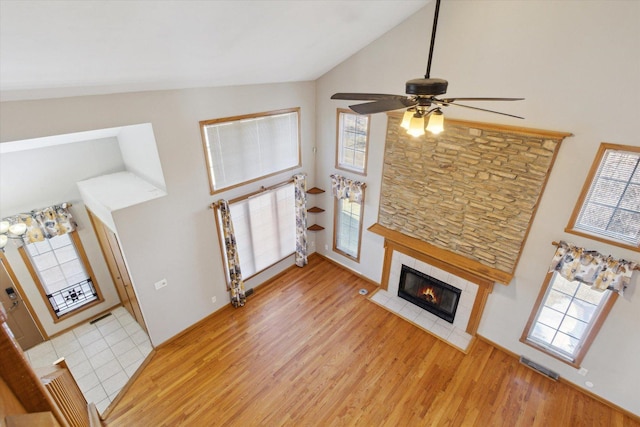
pixel 474 281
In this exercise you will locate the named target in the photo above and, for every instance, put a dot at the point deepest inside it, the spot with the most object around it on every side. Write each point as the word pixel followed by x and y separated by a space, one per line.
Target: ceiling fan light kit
pixel 414 122
pixel 421 96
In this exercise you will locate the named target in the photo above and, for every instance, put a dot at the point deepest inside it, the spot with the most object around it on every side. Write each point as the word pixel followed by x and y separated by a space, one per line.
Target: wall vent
pixel 536 367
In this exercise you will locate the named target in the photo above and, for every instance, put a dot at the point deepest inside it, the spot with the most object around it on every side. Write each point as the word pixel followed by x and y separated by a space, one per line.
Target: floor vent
pixel 248 292
pixel 99 318
pixel 544 371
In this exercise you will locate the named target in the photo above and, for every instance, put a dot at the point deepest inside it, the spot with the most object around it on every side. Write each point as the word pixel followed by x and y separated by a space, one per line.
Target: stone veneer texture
pixel 472 190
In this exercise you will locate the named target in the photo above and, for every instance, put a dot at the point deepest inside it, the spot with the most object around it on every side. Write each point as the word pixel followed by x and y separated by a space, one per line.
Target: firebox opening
pixel 427 292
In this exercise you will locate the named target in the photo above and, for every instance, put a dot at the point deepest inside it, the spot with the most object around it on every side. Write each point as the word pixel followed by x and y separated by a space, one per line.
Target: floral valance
pixel 345 188
pixel 40 224
pixel 590 267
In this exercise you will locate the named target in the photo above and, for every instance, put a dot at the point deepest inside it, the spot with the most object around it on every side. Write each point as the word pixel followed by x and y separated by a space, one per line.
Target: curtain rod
pixel 254 193
pixel 636 268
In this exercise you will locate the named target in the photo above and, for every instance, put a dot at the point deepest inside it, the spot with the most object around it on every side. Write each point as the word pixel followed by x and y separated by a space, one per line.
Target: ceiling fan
pixel 421 99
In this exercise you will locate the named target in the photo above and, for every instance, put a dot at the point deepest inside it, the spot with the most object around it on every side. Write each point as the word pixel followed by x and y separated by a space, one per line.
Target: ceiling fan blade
pixel 483 109
pixel 365 96
pixel 383 105
pixel 449 100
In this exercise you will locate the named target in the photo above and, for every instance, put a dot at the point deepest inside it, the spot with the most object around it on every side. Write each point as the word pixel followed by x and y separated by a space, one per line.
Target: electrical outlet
pixel 583 371
pixel 160 284
pixel 326 247
pixel 214 299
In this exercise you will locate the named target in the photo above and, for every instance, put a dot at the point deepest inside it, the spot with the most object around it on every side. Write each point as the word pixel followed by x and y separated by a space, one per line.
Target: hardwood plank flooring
pixel 308 350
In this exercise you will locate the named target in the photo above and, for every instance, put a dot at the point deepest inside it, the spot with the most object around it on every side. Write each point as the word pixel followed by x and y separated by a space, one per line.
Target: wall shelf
pixel 315 209
pixel 315 190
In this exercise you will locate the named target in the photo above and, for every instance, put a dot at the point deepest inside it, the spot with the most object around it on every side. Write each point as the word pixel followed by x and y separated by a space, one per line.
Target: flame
pixel 429 295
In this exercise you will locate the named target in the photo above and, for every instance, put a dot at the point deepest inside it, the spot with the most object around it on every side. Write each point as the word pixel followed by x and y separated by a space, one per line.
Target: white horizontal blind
pixel 612 206
pixel 265 228
pixel 243 150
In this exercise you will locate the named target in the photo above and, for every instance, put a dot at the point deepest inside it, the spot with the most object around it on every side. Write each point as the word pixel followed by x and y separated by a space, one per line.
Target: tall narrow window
pixel 564 321
pixel 243 149
pixel 348 228
pixel 352 142
pixel 59 267
pixel 609 206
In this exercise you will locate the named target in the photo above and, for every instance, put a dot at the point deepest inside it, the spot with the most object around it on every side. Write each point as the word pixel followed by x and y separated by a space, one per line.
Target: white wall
pixel 173 237
pixel 140 155
pixel 577 65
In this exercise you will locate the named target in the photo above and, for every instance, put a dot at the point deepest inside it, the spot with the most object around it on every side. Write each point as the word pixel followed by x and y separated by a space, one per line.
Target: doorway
pixel 117 268
pixel 19 318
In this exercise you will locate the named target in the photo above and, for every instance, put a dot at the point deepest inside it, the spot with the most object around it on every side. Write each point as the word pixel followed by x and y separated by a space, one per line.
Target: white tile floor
pixel 431 323
pixel 101 356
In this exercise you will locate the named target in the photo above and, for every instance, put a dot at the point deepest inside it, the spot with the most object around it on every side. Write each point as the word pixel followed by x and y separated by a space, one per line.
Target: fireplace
pixel 427 292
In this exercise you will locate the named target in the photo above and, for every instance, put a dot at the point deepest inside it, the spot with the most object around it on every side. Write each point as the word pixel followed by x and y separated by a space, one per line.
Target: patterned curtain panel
pixel 590 267
pixel 300 188
pixel 345 188
pixel 45 223
pixel 238 297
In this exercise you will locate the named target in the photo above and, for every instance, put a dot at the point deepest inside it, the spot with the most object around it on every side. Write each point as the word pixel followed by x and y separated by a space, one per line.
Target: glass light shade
pixel 3 240
pixel 18 228
pixel 406 119
pixel 416 126
pixel 436 122
pixel 4 227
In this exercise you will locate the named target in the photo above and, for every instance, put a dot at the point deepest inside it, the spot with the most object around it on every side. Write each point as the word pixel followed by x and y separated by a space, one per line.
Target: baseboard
pixel 355 273
pixel 567 382
pixel 204 319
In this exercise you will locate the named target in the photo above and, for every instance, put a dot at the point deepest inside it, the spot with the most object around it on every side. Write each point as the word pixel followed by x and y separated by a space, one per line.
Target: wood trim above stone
pixel 455 263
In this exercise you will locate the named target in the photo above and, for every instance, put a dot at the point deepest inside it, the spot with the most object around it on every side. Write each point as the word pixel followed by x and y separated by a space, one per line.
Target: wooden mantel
pixel 455 261
pixel 471 270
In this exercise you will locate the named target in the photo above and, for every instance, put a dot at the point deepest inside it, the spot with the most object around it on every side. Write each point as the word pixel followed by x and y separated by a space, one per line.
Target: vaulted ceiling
pixel 68 48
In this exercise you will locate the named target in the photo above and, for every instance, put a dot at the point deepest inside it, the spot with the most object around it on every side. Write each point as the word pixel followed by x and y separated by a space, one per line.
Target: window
pixel 352 142
pixel 60 269
pixel 347 228
pixel 609 206
pixel 566 318
pixel 265 228
pixel 243 149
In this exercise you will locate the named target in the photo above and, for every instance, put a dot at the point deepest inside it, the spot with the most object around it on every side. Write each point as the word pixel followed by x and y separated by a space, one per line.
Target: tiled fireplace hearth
pixel 473 283
pixel 454 333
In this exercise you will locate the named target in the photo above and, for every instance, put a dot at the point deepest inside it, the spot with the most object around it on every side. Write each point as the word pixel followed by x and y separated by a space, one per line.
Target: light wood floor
pixel 308 350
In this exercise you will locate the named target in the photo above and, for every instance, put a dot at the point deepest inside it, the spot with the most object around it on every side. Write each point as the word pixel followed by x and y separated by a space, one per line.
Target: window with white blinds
pixel 265 228
pixel 246 148
pixel 609 207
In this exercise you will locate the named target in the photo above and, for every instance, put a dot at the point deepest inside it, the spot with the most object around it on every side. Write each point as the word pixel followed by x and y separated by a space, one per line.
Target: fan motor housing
pixel 426 87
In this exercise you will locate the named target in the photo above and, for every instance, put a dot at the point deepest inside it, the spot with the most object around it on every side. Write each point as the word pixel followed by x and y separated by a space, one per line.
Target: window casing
pixel 62 273
pixel 347 229
pixel 566 318
pixel 608 209
pixel 243 149
pixel 265 228
pixel 352 142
